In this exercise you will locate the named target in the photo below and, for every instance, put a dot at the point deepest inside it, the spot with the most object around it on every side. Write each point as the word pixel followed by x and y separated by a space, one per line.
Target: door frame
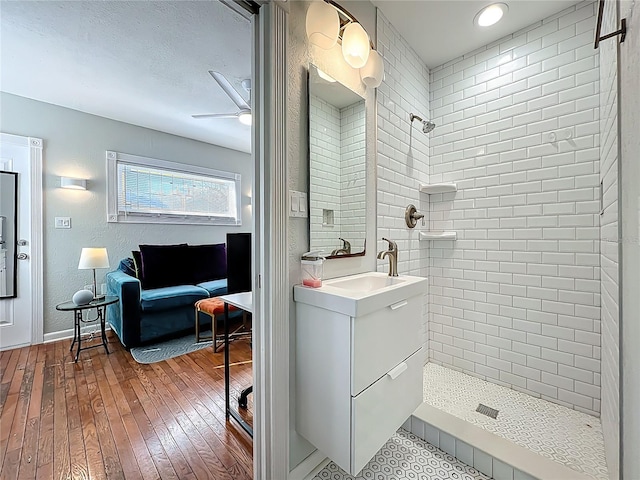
pixel 270 226
pixel 35 146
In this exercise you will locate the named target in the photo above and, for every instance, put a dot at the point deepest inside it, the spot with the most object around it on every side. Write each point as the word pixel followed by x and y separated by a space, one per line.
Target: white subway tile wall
pixel 516 299
pixel 403 153
pixel 609 241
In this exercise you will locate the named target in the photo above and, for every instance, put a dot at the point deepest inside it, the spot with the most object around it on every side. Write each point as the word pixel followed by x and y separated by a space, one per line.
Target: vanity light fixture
pixel 355 45
pixel 490 15
pixel 326 77
pixel 373 72
pixel 245 118
pixel 357 48
pixel 73 183
pixel 323 25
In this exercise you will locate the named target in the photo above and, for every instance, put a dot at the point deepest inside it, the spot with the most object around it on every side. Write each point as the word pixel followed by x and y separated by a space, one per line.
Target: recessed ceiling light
pixel 491 14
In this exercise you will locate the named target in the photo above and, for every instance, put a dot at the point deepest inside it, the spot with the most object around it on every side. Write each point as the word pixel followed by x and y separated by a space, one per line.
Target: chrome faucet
pixel 345 250
pixel 392 253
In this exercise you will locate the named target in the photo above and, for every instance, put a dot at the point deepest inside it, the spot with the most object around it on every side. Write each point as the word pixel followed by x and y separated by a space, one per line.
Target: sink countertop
pixel 360 294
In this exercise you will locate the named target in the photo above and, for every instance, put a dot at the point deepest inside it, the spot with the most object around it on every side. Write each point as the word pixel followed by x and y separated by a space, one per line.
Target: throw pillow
pixel 164 265
pixel 137 263
pixel 207 262
pixel 127 266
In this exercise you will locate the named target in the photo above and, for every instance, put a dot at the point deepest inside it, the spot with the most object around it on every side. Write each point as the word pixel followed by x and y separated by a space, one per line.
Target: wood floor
pixel 110 417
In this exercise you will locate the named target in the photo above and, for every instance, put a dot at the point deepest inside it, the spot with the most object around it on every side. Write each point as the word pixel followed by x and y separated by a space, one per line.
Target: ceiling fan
pixel 244 112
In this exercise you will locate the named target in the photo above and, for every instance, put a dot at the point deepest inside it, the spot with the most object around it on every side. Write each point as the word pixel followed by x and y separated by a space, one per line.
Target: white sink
pixel 366 283
pixel 360 294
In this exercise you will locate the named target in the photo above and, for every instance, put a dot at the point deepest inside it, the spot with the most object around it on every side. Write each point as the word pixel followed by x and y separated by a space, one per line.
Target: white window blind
pixel 148 190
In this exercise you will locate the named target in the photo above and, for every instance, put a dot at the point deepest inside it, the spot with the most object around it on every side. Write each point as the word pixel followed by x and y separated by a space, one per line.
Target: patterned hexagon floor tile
pixel 406 456
pixel 566 436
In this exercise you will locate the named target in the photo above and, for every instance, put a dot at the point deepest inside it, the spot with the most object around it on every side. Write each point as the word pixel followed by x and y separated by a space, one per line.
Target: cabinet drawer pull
pixel 398 305
pixel 396 371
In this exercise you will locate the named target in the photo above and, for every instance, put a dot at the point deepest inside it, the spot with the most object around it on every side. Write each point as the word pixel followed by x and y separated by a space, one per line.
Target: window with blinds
pixel 155 191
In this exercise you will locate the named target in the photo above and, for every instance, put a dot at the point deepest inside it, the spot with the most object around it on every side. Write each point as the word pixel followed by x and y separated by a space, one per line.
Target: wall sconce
pixel 73 183
pixel 328 23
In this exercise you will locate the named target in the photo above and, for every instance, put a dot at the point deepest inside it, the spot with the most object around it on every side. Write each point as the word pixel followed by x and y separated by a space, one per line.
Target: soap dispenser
pixel 312 267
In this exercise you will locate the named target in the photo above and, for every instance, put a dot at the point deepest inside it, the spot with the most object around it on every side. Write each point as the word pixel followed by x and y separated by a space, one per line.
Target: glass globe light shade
pixel 372 73
pixel 245 118
pixel 355 45
pixel 323 25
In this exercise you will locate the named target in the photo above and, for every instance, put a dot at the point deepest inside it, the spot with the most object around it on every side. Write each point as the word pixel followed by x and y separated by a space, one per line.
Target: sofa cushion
pixel 165 265
pixel 165 298
pixel 207 262
pixel 215 287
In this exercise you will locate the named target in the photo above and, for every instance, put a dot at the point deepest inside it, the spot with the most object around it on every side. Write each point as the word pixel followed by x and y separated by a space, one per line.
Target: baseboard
pixel 68 333
pixel 309 467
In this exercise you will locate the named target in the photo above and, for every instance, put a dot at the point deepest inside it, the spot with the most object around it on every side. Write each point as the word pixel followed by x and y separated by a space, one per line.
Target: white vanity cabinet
pixel 358 374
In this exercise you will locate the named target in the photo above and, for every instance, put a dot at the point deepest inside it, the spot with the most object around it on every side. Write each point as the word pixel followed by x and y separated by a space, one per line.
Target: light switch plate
pixel 297 204
pixel 63 222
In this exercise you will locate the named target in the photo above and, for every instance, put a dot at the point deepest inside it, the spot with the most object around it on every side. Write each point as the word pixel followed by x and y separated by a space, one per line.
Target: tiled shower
pixel 525 130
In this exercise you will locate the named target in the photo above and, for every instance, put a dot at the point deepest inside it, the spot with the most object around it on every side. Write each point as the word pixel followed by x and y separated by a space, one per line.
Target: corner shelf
pixel 438 236
pixel 438 188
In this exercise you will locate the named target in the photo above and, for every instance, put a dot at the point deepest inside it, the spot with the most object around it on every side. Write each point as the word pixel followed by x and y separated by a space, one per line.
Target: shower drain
pixel 488 411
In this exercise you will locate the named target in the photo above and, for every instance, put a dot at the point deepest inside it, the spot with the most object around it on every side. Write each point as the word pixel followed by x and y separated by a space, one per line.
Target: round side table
pixel 101 309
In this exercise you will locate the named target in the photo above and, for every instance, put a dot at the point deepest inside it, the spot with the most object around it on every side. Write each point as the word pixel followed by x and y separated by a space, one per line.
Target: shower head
pixel 427 126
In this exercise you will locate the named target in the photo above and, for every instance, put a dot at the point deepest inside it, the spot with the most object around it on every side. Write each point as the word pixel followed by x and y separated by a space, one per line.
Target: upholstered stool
pixel 214 307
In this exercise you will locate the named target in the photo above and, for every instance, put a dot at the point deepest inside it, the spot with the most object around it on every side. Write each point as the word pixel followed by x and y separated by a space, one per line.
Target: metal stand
pixel 77 335
pixel 229 412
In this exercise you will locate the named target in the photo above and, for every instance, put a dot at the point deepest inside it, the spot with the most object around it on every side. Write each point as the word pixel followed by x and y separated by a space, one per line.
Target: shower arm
pixel 413 117
pixel 427 125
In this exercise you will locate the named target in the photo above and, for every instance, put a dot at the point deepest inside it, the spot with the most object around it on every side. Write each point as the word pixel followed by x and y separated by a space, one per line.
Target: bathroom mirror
pixel 8 227
pixel 337 167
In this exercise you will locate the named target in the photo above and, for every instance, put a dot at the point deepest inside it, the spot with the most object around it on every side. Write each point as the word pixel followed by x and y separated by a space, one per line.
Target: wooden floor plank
pixel 107 416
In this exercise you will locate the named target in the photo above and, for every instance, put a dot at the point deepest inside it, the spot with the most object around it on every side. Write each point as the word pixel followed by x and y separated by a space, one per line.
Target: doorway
pixel 21 303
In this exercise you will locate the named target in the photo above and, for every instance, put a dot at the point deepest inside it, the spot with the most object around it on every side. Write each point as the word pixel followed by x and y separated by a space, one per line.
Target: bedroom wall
pixel 75 145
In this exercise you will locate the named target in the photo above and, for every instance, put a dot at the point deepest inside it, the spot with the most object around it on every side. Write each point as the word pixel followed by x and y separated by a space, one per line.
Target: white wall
pixel 516 299
pixel 609 262
pixel 403 154
pixel 630 219
pixel 299 56
pixel 74 145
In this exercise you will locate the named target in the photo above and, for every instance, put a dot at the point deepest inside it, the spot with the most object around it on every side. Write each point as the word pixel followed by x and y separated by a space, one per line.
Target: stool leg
pixel 197 326
pixel 214 333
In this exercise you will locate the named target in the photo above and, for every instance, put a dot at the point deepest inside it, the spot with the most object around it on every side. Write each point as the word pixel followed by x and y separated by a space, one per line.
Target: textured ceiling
pixel 441 30
pixel 140 62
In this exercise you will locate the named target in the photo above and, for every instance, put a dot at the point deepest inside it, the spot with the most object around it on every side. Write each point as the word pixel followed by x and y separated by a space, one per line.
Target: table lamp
pixel 92 258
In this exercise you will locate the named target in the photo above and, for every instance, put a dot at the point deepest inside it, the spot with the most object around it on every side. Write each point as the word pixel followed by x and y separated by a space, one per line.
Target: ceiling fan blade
pixel 216 115
pixel 229 90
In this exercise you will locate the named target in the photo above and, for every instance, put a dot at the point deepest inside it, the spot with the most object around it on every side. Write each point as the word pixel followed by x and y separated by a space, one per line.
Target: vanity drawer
pixel 383 339
pixel 383 407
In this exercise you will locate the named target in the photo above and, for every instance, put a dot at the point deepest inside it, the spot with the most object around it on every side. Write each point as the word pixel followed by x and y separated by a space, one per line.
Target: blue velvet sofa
pixel 156 308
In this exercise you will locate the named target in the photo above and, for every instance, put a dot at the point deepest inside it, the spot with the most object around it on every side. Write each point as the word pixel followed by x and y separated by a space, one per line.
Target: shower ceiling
pixel 440 30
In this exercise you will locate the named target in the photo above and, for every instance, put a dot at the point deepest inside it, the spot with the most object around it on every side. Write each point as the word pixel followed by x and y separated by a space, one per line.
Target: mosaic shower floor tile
pixel 566 436
pixel 406 456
